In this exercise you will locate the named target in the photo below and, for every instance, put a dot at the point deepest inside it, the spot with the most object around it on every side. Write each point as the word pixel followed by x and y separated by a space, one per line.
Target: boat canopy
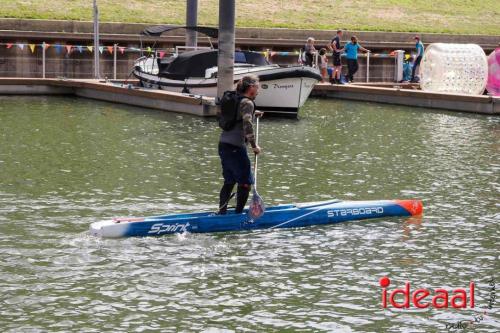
pixel 157 30
pixel 195 63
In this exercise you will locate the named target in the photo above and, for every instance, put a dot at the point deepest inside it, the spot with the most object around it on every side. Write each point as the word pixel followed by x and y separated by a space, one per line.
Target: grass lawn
pixel 445 16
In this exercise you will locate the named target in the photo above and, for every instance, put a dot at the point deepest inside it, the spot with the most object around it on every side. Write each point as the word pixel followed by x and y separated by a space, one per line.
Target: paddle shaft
pixel 256 155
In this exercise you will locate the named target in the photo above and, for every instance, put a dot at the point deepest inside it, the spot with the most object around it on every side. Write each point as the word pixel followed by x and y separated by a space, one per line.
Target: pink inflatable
pixel 493 85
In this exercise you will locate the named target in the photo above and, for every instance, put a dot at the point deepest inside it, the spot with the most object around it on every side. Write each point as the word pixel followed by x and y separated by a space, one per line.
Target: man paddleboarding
pixel 238 110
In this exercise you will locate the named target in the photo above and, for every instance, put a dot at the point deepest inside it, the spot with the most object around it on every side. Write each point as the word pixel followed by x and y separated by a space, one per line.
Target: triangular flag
pixel 58 48
pixel 9 45
pixel 21 46
pixel 46 45
pixel 273 54
pixel 80 48
pixel 122 49
pixel 101 49
pixel 162 54
pixel 90 48
pixel 68 48
pixel 149 49
pixel 110 49
pixel 32 48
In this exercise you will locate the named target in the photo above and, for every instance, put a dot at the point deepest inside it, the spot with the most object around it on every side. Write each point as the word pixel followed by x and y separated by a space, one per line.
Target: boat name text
pixel 282 86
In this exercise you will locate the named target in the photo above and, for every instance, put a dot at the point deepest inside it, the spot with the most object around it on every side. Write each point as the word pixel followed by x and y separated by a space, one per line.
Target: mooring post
pixel 115 46
pixel 191 21
pixel 96 41
pixel 398 63
pixel 43 60
pixel 225 75
pixel 368 67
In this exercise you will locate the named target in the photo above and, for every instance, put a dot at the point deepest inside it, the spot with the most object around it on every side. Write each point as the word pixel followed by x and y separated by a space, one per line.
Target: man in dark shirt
pixel 233 150
pixel 336 49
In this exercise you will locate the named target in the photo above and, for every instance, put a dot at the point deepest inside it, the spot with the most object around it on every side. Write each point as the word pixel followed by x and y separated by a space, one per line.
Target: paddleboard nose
pixel 414 207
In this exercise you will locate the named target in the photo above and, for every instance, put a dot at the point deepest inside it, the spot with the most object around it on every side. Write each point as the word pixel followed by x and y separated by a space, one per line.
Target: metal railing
pixel 116 62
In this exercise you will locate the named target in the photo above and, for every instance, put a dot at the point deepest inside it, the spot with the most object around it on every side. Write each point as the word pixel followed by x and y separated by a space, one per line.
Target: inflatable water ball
pixel 493 85
pixel 454 68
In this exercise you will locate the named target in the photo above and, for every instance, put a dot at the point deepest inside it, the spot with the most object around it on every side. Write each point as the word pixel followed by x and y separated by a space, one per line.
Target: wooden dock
pixel 409 95
pixel 129 93
pixel 117 92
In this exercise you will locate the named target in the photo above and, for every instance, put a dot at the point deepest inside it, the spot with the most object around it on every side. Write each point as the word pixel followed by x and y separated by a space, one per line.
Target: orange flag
pixel 110 49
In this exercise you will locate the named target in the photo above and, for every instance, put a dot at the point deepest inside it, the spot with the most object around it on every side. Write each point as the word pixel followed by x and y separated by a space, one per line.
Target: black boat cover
pixel 157 30
pixel 195 63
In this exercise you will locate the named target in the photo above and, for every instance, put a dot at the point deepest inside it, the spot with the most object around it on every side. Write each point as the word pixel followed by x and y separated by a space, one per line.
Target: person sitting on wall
pixel 309 51
pixel 407 68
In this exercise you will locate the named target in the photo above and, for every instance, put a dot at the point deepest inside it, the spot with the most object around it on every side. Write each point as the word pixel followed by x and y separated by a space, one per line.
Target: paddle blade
pixel 257 207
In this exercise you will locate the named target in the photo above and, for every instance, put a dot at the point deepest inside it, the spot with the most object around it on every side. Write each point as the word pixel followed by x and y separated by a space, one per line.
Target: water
pixel 67 162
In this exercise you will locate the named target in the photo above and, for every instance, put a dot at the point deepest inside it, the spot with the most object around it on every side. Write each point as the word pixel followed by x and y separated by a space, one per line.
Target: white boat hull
pixel 279 94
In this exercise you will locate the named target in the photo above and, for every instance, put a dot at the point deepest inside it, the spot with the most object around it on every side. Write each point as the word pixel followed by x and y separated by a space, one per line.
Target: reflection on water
pixel 66 162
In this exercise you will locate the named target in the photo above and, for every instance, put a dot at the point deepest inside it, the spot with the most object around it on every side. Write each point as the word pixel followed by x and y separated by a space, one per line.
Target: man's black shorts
pixel 336 59
pixel 235 164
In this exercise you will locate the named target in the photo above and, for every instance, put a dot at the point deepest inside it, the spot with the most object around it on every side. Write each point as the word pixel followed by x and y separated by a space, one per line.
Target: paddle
pixel 257 207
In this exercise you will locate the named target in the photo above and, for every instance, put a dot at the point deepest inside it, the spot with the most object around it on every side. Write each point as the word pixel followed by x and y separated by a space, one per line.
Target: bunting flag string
pixel 148 49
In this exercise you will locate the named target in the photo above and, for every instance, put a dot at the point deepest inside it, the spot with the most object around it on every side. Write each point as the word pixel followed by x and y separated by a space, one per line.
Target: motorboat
pixel 283 89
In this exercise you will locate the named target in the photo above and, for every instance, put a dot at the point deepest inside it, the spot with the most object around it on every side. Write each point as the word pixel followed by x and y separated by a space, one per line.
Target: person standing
pixel 236 167
pixel 323 64
pixel 336 51
pixel 420 53
pixel 351 50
